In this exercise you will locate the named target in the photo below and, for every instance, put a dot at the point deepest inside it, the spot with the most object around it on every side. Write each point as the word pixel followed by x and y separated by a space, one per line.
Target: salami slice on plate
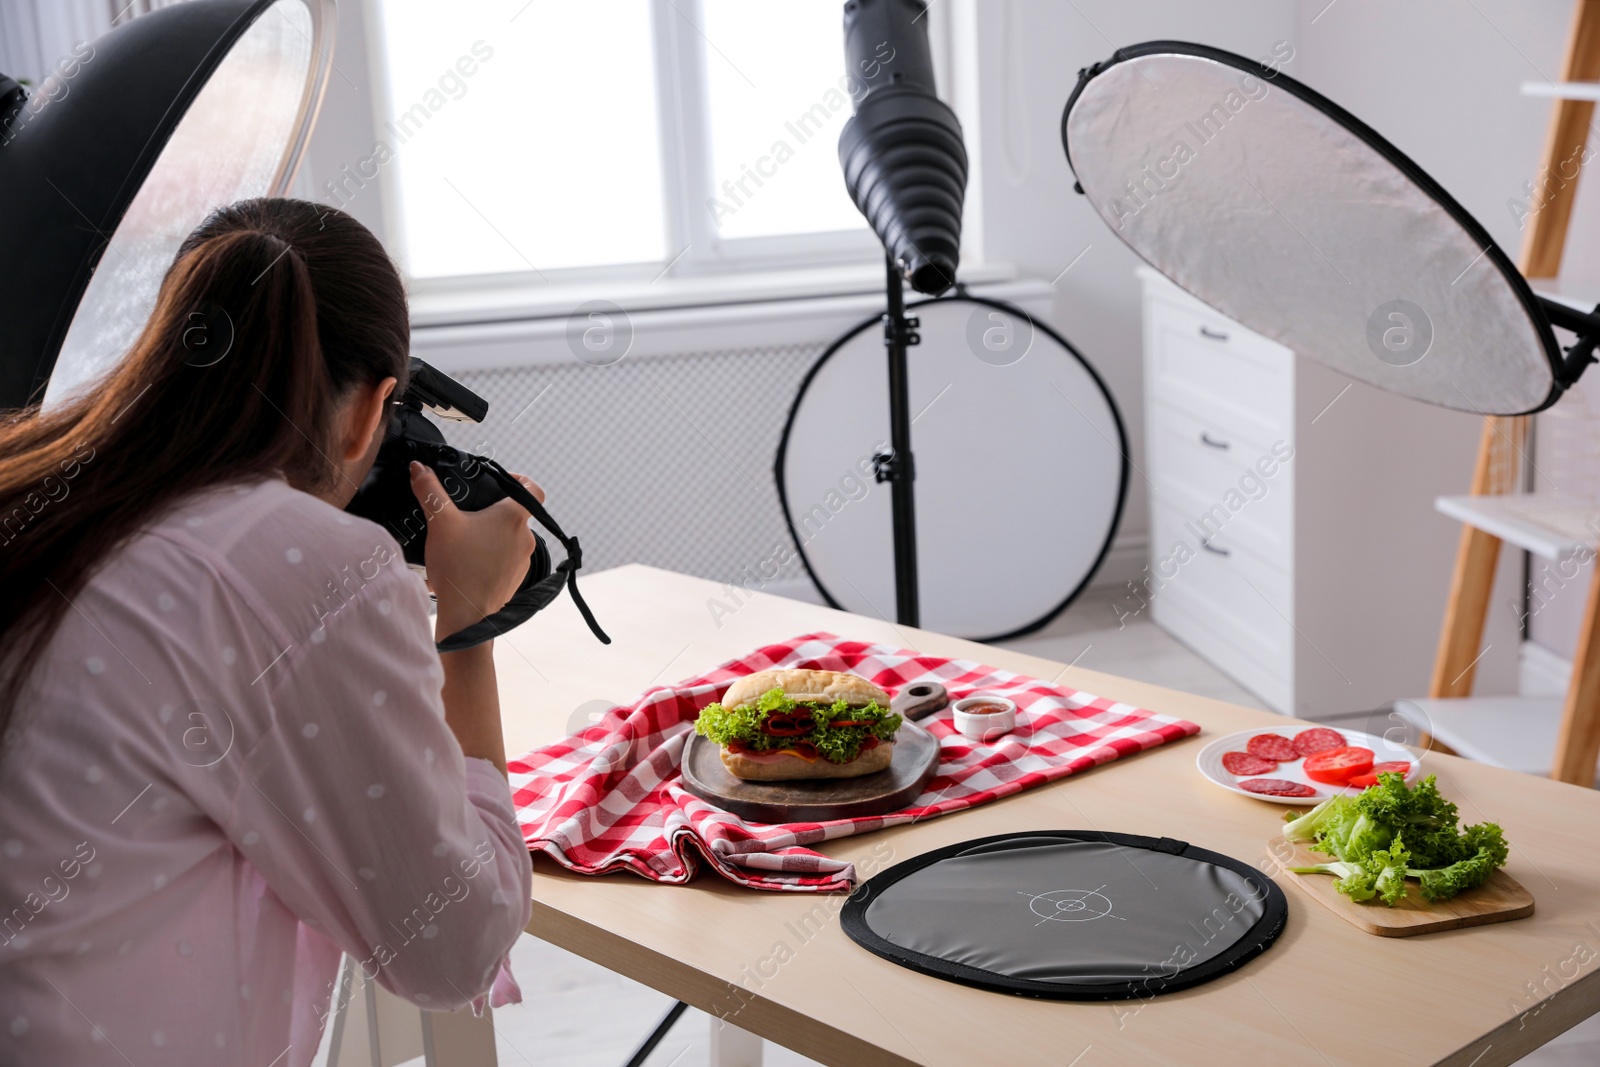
pixel 1244 764
pixel 1277 787
pixel 1318 739
pixel 1274 747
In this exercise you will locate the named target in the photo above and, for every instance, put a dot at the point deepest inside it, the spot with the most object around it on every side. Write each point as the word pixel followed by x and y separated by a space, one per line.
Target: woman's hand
pixel 475 559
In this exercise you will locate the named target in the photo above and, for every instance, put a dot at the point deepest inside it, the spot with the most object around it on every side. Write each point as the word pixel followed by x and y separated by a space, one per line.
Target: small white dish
pixel 980 725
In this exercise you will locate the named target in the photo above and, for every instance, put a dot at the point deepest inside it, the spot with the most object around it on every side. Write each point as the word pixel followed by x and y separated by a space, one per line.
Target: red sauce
pixel 985 709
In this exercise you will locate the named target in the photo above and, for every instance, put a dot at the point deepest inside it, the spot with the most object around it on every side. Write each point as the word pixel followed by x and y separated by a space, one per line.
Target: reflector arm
pixel 1586 324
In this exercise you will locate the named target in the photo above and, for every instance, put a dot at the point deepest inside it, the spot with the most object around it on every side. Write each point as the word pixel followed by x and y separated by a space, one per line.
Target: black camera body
pixel 472 483
pixel 386 497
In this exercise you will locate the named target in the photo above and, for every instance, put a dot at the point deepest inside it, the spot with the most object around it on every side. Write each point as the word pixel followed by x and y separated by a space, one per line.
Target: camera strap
pixel 535 597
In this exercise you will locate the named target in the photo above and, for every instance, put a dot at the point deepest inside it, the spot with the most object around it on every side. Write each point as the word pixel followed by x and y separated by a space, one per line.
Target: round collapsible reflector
pixel 1288 214
pixel 1069 914
pixel 1021 470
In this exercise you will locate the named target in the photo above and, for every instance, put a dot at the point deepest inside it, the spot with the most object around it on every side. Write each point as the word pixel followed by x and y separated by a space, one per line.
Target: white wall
pixel 344 131
pixel 1435 76
pixel 1029 53
pixel 1441 79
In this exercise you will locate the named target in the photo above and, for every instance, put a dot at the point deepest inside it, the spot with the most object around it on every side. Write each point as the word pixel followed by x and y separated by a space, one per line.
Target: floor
pixel 577 1014
pixel 1133 648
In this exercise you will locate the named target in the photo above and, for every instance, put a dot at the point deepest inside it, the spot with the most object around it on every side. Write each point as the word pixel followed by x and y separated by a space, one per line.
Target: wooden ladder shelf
pixel 1460 644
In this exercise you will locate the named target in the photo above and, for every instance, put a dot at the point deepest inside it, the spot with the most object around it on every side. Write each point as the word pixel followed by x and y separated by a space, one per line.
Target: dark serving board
pixel 916 760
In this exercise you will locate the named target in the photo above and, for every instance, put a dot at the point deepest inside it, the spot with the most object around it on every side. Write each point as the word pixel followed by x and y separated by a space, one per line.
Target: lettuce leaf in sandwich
pixel 836 732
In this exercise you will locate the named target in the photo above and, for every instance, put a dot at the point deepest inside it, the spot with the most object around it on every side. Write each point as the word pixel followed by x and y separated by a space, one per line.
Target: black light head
pixel 904 161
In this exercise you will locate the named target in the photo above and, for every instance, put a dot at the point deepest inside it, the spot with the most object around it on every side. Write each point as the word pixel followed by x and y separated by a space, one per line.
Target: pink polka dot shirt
pixel 230 766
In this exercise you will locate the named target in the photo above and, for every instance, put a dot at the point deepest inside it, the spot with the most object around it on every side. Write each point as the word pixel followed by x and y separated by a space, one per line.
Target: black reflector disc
pixel 1069 914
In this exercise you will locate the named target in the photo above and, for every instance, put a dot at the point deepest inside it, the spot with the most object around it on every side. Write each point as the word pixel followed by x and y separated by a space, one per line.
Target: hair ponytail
pixel 271 311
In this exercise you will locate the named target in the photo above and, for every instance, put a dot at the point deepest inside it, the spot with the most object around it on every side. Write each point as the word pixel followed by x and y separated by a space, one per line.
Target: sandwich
pixel 784 725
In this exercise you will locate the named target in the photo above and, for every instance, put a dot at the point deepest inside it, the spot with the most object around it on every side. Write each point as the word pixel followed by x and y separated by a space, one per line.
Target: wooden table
pixel 1324 994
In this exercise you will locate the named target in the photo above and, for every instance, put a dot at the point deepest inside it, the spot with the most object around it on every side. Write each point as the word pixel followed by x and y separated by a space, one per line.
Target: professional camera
pixel 473 483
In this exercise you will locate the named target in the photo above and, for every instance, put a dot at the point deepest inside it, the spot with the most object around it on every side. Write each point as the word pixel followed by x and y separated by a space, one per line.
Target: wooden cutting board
pixel 1498 900
pixel 915 761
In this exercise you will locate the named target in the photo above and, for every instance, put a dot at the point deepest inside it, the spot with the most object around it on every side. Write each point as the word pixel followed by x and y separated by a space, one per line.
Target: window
pixel 774 141
pixel 555 139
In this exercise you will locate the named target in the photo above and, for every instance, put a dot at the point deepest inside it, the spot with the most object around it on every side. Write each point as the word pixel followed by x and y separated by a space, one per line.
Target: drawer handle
pixel 1212 335
pixel 1209 547
pixel 1207 439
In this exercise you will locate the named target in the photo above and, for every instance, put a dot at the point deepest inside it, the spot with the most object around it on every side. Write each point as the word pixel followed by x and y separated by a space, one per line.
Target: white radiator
pixel 664 456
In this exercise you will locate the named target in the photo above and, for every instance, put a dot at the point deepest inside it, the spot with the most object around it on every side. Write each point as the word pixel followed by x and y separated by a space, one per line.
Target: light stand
pixel 905 166
pixel 895 464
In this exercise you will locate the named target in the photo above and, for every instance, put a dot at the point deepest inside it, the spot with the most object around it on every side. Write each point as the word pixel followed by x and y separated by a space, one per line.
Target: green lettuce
pixel 838 744
pixel 1391 832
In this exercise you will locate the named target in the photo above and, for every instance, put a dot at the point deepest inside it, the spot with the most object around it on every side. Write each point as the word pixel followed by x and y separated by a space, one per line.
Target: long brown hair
pixel 271 311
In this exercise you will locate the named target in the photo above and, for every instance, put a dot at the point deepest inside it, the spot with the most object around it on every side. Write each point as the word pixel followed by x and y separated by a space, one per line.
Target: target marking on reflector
pixel 1070 905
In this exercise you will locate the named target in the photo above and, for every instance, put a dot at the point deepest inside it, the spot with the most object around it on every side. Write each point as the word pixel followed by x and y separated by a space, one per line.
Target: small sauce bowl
pixel 984 718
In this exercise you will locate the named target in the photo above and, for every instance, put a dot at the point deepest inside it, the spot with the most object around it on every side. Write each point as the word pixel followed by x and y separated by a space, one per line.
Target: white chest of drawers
pixel 1294 542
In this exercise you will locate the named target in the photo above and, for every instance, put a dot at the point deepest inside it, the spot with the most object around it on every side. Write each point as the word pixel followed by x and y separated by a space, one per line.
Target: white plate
pixel 1210 762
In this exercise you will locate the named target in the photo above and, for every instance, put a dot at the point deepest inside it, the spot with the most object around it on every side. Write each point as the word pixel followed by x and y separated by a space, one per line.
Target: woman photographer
pixel 229 748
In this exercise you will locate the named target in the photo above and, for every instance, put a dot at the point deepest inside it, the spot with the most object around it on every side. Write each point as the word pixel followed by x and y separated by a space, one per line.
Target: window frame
pixel 687 171
pixel 694 248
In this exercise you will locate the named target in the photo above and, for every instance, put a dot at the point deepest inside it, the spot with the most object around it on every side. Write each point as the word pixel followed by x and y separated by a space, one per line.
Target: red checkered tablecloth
pixel 610 798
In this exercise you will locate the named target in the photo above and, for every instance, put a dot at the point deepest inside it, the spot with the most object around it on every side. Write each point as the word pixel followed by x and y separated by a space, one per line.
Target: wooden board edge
pixel 1282 853
pixel 757 811
pixel 1453 922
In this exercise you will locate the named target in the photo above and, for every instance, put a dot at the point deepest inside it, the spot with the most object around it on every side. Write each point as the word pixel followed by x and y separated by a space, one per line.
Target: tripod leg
pixel 648 1045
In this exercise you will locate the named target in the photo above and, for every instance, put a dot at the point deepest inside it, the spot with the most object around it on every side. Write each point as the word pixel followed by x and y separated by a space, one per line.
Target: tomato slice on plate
pixel 1337 766
pixel 1361 781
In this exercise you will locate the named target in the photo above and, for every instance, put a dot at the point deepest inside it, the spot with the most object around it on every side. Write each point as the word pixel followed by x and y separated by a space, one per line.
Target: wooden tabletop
pixel 778 965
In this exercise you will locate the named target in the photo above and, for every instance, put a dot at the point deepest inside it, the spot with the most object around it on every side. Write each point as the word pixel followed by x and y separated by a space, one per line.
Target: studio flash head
pixel 904 161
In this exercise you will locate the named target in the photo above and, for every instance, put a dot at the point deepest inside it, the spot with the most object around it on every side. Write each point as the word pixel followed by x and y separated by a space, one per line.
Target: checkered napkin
pixel 611 798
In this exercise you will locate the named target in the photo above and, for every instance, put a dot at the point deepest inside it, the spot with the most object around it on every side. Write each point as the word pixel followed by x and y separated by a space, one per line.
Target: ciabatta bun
pixel 810 687
pixel 786 767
